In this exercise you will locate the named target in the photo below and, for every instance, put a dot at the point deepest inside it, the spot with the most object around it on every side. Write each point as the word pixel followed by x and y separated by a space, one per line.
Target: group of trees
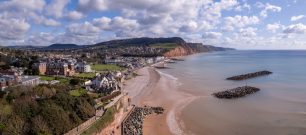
pixel 43 110
pixel 18 58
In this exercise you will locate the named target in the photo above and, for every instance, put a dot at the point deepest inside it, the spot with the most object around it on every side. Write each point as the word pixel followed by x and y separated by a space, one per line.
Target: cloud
pixel 88 5
pixel 82 29
pixel 267 8
pixel 295 29
pixel 296 18
pixel 239 21
pixel 39 19
pixel 12 28
pixel 22 5
pixel 242 7
pixel 191 26
pixel 248 32
pixel 56 7
pixel 75 15
pixel 212 35
pixel 273 27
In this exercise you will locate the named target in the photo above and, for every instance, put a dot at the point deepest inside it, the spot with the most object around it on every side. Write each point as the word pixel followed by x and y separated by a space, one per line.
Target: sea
pixel 279 108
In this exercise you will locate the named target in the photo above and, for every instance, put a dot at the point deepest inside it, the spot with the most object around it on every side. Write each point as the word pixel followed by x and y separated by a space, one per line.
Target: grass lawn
pixel 101 123
pixel 78 92
pixel 106 67
pixel 50 78
pixel 164 45
pixel 86 75
pixel 46 78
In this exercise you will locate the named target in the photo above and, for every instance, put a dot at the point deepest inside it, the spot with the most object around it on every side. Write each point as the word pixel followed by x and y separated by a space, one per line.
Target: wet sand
pixel 160 90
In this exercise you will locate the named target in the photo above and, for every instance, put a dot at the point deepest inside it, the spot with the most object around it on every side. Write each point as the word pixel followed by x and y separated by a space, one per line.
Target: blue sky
pixel 242 24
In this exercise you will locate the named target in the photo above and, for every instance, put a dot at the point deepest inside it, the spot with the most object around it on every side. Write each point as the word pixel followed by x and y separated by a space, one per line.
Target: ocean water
pixel 278 109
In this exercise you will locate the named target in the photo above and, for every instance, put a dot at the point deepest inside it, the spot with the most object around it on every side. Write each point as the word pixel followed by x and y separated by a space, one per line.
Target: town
pixel 85 84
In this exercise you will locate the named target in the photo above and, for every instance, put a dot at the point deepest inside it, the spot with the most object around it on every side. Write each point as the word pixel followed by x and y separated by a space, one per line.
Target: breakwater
pixel 249 75
pixel 236 92
pixel 133 124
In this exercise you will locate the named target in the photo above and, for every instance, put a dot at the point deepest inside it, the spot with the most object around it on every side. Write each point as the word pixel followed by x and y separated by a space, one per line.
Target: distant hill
pixel 62 47
pixel 141 41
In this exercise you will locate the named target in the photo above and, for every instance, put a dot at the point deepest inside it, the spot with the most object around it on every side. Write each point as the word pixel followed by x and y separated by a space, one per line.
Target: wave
pixel 167 75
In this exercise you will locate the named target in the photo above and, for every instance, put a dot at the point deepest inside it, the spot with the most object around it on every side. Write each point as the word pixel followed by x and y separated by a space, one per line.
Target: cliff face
pixel 179 51
pixel 192 48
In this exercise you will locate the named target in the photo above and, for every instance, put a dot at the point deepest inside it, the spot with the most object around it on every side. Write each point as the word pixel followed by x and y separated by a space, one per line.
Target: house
pixel 6 81
pixel 60 68
pixel 109 60
pixel 105 83
pixel 29 80
pixel 82 67
pixel 41 67
pixel 10 80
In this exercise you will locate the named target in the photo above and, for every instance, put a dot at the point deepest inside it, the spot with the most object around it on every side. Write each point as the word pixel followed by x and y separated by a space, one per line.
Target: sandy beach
pixel 154 88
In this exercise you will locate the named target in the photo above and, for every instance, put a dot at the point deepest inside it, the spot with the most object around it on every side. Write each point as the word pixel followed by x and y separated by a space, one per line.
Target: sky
pixel 242 24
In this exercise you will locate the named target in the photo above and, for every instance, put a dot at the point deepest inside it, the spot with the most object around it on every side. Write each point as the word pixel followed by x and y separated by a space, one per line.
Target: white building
pixel 29 80
pixel 82 67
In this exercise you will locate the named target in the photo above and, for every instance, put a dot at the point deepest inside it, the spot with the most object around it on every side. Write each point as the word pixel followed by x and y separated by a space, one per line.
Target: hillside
pixel 62 46
pixel 170 47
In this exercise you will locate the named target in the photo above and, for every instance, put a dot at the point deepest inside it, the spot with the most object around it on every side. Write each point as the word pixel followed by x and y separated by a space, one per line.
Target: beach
pixel 154 88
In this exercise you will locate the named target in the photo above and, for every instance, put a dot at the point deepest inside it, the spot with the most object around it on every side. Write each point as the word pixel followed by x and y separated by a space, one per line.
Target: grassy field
pixel 164 45
pixel 107 118
pixel 106 67
pixel 50 78
pixel 86 75
pixel 47 78
pixel 78 92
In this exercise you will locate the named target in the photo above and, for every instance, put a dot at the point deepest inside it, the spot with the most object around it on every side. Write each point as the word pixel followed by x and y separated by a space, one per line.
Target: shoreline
pixel 154 88
pixel 162 90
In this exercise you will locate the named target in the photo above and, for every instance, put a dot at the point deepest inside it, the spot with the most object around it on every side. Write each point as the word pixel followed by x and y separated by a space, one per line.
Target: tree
pixel 39 126
pixel 14 125
pixel 75 81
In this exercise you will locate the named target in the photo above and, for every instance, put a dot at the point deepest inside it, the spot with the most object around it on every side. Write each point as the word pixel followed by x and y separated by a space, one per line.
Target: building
pixel 10 80
pixel 6 81
pixel 60 68
pixel 82 67
pixel 29 80
pixel 41 67
pixel 105 83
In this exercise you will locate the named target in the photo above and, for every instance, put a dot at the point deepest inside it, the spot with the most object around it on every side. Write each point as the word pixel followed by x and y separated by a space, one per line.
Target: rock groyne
pixel 133 124
pixel 249 75
pixel 236 92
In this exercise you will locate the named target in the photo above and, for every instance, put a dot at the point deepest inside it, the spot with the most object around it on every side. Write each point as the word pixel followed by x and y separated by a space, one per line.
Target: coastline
pixel 154 88
pixel 159 89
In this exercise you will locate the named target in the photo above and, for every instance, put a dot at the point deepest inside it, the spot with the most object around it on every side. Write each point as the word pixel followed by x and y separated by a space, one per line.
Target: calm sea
pixel 278 109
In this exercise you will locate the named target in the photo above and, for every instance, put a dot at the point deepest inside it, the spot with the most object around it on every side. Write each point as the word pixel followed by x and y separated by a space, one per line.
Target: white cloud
pixel 242 7
pixel 295 29
pixel 268 8
pixel 75 15
pixel 296 18
pixel 248 32
pixel 103 23
pixel 22 5
pixel 39 19
pixel 12 28
pixel 273 27
pixel 56 7
pixel 239 21
pixel 83 29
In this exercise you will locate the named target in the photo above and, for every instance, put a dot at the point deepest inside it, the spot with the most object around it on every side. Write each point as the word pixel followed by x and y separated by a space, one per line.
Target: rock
pixel 133 124
pixel 249 75
pixel 236 92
